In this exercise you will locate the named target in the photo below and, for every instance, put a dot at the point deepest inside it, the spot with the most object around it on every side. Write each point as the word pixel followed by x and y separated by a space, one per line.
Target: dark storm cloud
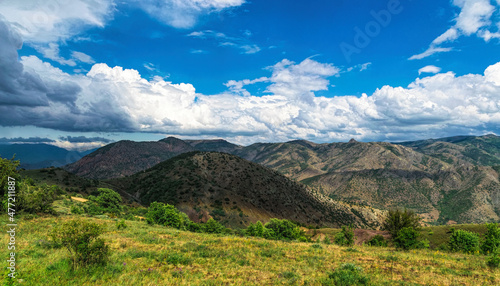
pixel 83 139
pixel 16 86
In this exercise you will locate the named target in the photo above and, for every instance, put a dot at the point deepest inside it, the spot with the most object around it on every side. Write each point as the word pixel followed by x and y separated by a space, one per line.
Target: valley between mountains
pixel 447 180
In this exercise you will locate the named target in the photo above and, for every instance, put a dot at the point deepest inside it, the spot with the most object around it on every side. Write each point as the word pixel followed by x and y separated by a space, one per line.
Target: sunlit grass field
pixel 154 255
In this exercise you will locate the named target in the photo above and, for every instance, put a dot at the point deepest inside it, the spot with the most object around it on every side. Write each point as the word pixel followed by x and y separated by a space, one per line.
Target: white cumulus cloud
pixel 55 20
pixel 429 69
pixel 475 17
pixel 116 99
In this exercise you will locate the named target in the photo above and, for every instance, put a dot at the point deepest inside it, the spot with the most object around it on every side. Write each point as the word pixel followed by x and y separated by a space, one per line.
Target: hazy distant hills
pixel 237 192
pixel 35 156
pixel 483 150
pixel 448 179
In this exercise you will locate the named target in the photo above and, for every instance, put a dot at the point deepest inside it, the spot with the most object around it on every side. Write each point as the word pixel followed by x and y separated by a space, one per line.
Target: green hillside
pixel 237 192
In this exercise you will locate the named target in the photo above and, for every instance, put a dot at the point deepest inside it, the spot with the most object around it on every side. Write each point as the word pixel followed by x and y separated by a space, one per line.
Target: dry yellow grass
pixel 79 199
pixel 156 255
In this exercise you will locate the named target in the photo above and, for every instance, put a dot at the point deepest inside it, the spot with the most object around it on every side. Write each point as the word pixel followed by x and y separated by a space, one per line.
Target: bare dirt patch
pixel 363 235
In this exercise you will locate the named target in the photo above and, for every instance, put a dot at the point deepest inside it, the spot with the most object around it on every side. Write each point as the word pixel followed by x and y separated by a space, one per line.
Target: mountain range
pixel 447 180
pixel 237 192
pixel 36 156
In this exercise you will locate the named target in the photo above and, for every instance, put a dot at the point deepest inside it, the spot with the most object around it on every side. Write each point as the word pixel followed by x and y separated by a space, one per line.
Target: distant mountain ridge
pixel 478 150
pixel 125 158
pixel 445 180
pixel 36 156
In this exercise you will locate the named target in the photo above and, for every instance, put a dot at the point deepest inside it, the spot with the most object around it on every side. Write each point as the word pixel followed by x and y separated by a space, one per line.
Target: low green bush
pixel 76 210
pixel 194 227
pixel 327 240
pixel 81 239
pixel 347 274
pixel 407 238
pixel 36 198
pixel 107 201
pixel 464 241
pixel 377 240
pixel 493 260
pixel 120 224
pixel 282 229
pixel 345 237
pixel 163 214
pixel 276 229
pixel 491 239
pixel 213 226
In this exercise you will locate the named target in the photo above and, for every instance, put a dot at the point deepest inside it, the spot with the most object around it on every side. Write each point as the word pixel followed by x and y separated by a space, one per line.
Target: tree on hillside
pixel 396 220
pixel 107 201
pixel 163 214
pixel 34 198
pixel 8 168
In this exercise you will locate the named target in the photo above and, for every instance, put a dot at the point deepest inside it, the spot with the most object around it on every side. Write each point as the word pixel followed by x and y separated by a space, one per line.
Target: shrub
pixel 184 220
pixel 407 238
pixel 396 220
pixel 493 260
pixel 194 227
pixel 464 241
pixel 327 240
pixel 76 210
pixel 259 229
pixel 256 229
pixel 121 224
pixel 164 214
pixel 491 239
pixel 81 238
pixel 36 198
pixel 92 208
pixel 270 234
pixel 303 239
pixel 347 274
pixel 345 237
pixel 276 229
pixel 377 240
pixel 443 247
pixel 317 246
pixel 108 201
pixel 282 229
pixel 8 168
pixel 213 226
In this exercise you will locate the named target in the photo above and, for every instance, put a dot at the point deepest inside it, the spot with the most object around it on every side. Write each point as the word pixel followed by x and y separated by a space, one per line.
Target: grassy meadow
pixel 143 254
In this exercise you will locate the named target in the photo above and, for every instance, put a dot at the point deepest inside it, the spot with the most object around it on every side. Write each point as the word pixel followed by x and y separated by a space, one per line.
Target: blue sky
pixel 248 71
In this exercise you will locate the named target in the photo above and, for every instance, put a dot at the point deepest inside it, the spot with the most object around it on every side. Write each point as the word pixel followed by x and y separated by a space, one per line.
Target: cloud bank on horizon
pixel 109 98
